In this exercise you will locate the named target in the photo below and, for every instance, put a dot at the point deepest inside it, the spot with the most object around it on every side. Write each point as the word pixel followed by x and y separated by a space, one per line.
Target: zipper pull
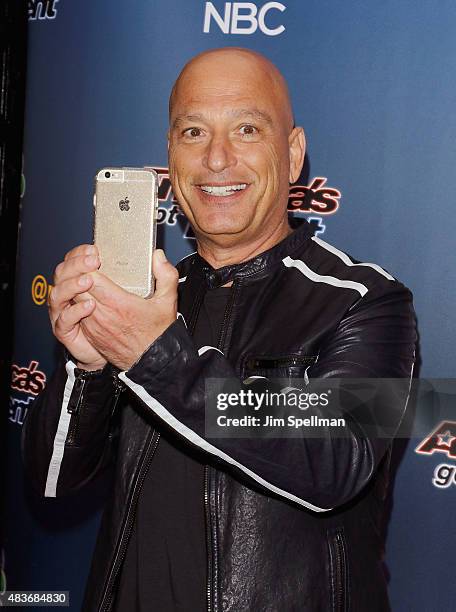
pixel 76 394
pixel 119 386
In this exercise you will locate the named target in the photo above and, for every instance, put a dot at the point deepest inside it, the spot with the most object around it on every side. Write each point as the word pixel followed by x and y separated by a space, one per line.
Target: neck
pixel 224 255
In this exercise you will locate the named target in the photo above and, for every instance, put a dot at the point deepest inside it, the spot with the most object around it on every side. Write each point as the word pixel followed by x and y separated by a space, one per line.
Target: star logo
pixel 445 439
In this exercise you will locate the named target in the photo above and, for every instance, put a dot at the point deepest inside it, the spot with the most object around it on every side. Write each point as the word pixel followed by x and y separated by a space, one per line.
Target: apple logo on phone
pixel 124 204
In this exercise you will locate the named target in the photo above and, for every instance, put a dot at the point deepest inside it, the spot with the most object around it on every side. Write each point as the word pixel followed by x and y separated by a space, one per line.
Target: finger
pixel 82 249
pixel 72 316
pixel 81 296
pixel 75 266
pixel 166 276
pixel 104 290
pixel 67 290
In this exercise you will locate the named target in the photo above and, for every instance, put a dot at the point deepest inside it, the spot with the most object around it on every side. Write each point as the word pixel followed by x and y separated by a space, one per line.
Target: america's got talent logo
pixel 441 440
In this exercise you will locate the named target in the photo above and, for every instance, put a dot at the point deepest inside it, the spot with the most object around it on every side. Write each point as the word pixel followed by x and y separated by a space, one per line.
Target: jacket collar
pixel 220 276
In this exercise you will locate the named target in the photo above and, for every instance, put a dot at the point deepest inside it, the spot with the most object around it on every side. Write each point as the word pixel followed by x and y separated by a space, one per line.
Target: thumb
pixel 166 276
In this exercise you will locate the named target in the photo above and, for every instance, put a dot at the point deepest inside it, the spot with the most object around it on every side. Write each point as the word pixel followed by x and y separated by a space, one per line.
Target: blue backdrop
pixel 373 85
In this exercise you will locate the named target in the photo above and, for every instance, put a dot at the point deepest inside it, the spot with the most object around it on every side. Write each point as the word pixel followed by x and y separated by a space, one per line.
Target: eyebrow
pixel 235 113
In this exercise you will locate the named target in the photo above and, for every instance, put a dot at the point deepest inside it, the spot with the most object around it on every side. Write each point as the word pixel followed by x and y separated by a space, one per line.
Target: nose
pixel 219 154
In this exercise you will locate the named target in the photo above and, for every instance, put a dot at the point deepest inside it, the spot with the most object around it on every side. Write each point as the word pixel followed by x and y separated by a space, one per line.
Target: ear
pixel 297 148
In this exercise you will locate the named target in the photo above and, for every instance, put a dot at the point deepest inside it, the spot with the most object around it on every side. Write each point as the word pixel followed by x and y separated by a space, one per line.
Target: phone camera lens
pixel 107 174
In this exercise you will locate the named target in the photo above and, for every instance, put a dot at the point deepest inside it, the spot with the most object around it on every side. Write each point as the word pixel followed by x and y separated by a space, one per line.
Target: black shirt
pixel 165 565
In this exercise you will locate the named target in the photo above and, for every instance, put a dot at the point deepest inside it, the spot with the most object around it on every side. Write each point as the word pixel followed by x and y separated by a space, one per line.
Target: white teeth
pixel 222 190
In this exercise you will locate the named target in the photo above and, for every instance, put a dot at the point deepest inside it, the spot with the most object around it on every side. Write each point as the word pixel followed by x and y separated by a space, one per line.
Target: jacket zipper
pixel 341 593
pixel 211 555
pixel 76 399
pixel 129 520
pixel 223 329
pixel 74 405
pixel 208 539
pixel 264 362
pixel 191 328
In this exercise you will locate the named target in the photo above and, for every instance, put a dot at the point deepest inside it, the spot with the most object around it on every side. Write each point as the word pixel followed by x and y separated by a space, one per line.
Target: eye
pixel 248 130
pixel 192 132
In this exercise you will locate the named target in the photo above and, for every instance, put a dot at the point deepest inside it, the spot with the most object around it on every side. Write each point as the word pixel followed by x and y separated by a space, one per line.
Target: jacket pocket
pixel 281 366
pixel 338 570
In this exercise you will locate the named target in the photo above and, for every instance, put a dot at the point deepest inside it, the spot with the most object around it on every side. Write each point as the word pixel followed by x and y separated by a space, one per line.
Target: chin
pixel 217 227
pixel 220 229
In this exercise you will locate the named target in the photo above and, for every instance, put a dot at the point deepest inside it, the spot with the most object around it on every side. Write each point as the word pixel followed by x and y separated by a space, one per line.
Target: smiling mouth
pixel 223 190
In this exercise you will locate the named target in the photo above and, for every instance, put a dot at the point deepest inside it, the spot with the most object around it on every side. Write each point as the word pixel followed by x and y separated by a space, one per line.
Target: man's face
pixel 229 152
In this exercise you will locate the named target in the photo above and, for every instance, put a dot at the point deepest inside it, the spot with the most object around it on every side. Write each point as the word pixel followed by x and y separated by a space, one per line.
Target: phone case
pixel 125 226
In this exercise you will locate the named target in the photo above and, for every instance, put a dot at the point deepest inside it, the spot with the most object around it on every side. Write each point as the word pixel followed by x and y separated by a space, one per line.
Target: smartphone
pixel 125 226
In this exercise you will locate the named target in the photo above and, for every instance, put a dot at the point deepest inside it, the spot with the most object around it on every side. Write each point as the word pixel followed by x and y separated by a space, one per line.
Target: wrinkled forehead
pixel 215 85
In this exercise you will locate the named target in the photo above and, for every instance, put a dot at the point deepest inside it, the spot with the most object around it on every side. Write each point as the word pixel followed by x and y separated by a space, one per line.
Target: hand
pixel 122 325
pixel 71 281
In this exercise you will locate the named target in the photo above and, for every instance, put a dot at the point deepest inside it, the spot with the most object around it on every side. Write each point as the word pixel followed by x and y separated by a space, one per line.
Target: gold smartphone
pixel 125 226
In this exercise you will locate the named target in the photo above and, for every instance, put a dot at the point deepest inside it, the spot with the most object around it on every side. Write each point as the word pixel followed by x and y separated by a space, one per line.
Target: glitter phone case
pixel 125 226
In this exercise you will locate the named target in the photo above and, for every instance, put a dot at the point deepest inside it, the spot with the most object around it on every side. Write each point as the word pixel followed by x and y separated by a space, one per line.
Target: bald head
pixel 235 64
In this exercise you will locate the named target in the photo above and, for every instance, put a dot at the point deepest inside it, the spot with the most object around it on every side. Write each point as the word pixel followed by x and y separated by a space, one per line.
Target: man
pixel 237 525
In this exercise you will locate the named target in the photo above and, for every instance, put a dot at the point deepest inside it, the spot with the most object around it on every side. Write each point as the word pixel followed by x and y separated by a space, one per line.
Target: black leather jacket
pixel 292 524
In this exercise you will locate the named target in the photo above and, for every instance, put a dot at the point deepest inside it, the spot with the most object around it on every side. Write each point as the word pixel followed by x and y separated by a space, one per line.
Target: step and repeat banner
pixel 373 85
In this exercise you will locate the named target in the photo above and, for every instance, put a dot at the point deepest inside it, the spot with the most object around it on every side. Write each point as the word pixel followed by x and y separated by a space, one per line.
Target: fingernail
pixel 161 256
pixel 89 250
pixel 92 260
pixel 88 304
pixel 84 280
